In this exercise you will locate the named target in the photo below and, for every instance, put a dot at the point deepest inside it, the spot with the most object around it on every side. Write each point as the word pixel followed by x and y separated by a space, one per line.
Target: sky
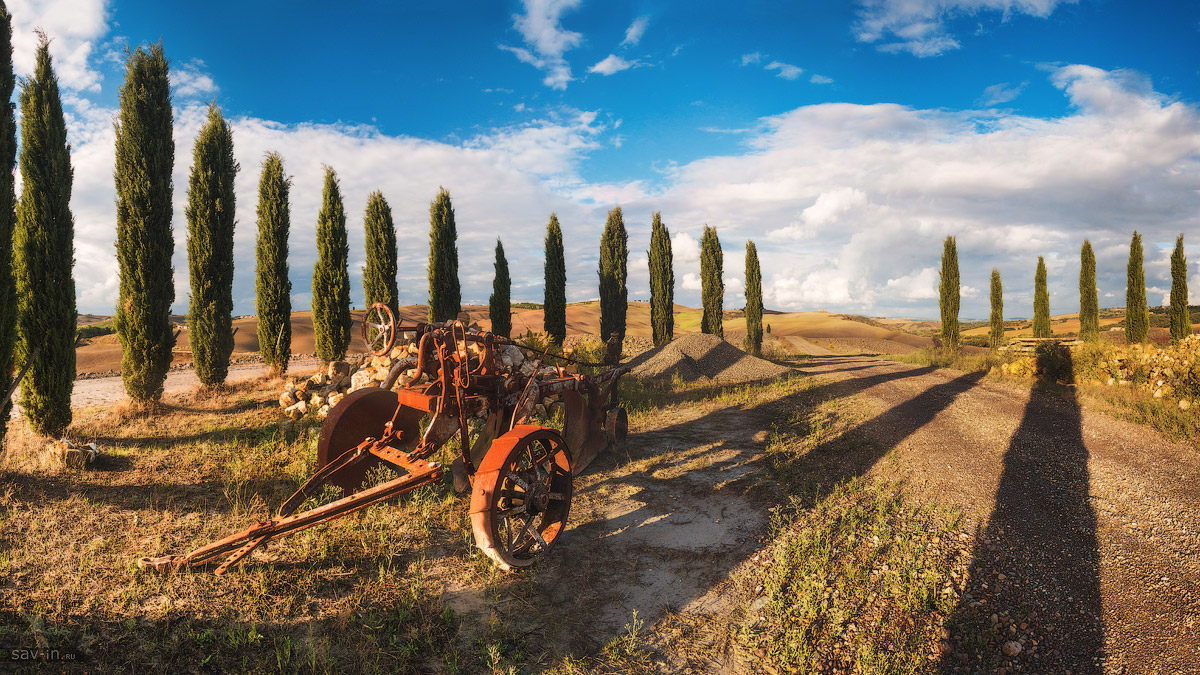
pixel 846 139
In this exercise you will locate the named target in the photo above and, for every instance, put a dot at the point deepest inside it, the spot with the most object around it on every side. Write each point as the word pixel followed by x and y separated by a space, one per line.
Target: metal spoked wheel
pixel 379 329
pixel 522 496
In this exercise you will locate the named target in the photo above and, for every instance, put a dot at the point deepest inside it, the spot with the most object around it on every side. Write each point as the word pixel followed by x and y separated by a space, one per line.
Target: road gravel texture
pixel 1087 544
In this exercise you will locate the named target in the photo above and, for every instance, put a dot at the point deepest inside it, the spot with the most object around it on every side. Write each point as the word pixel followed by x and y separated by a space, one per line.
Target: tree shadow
pixel 677 543
pixel 1035 566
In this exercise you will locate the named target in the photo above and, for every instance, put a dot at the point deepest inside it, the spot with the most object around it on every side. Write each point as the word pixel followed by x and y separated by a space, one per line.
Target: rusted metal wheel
pixel 360 415
pixel 379 329
pixel 616 425
pixel 522 495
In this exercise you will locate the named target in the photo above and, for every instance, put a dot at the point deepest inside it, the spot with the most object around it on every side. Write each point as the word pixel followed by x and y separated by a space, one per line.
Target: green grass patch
pixel 956 360
pixel 855 583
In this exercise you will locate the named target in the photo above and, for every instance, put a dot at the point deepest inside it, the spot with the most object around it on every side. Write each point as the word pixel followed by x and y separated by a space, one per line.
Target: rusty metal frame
pixel 457 391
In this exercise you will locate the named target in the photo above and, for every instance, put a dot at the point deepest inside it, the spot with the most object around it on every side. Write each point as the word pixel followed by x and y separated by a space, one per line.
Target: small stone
pixel 758 604
pixel 1184 404
pixel 338 369
pixel 1012 648
pixel 287 399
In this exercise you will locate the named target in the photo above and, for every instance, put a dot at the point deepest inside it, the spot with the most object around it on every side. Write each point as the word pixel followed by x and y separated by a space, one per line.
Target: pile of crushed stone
pixel 702 357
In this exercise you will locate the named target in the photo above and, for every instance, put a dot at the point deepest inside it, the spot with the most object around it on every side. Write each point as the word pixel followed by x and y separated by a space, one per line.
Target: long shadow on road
pixel 1034 579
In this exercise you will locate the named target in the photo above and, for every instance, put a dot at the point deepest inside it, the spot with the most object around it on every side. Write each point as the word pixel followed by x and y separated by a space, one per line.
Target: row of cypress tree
pixel 1137 318
pixel 613 274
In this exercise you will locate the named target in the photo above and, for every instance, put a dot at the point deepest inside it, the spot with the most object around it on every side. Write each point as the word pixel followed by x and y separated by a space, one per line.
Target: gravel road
pixel 1087 548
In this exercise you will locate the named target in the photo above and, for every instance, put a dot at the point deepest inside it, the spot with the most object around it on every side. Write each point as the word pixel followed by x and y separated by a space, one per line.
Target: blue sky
pixel 847 139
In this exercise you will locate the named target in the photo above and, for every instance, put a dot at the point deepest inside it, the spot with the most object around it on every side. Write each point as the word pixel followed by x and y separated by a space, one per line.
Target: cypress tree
pixel 1137 316
pixel 1041 302
pixel 379 274
pixel 554 311
pixel 754 305
pixel 948 294
pixel 1089 304
pixel 43 242
pixel 331 281
pixel 614 257
pixel 499 307
pixel 996 331
pixel 8 219
pixel 210 216
pixel 445 299
pixel 272 288
pixel 1181 320
pixel 712 283
pixel 662 282
pixel 144 162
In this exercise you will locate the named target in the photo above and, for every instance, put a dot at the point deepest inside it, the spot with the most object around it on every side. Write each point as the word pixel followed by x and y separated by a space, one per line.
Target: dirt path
pixel 103 391
pixel 1088 541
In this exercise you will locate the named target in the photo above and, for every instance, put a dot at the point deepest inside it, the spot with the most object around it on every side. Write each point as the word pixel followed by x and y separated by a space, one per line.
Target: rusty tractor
pixel 520 474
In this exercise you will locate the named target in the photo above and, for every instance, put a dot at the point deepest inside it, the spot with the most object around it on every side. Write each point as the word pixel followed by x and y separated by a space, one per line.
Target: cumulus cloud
pixel 919 27
pixel 685 248
pixel 820 79
pixel 751 58
pixel 75 28
pixel 500 183
pixel 612 64
pixel 857 196
pixel 921 285
pixel 636 30
pixel 190 80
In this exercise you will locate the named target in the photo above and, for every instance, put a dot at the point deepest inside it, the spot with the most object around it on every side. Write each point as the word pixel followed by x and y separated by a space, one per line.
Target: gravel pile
pixel 702 357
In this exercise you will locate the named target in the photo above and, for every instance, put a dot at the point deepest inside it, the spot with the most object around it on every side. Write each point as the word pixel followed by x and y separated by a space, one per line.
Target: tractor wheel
pixel 379 329
pixel 616 425
pixel 360 415
pixel 521 496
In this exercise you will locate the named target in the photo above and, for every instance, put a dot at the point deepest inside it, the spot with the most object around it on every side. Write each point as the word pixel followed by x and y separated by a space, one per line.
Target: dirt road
pixel 1088 542
pixel 104 391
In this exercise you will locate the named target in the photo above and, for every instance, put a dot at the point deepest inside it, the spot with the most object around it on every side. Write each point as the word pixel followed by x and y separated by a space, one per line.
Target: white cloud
pixel 919 26
pixel 859 197
pixel 685 248
pixel 870 192
pixel 612 64
pixel 636 30
pixel 921 285
pixel 1001 93
pixel 505 182
pixel 190 80
pixel 753 57
pixel 548 42
pixel 74 28
pixel 786 70
pixel 820 79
